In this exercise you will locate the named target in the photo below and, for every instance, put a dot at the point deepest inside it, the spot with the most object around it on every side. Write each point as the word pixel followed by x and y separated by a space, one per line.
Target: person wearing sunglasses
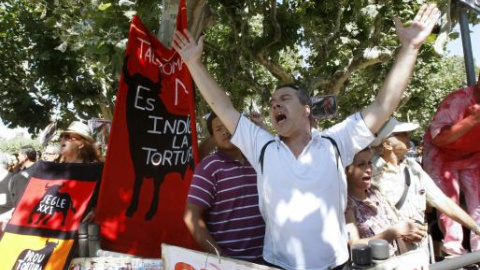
pixel 77 144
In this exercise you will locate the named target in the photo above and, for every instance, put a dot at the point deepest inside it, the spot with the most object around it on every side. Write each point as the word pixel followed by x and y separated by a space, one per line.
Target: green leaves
pixel 58 58
pixel 103 6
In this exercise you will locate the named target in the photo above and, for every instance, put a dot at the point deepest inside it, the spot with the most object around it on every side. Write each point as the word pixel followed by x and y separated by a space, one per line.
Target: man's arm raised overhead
pixel 191 53
pixel 411 38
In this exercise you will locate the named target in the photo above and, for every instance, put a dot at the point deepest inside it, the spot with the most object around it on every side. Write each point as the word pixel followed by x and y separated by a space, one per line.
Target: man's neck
pixel 28 164
pixel 298 142
pixel 235 154
pixel 391 158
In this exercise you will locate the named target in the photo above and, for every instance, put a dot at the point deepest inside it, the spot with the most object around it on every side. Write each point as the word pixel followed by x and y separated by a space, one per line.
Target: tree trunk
pixel 199 17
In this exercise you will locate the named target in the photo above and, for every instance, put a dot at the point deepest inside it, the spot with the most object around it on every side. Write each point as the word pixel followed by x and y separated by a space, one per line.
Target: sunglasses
pixel 68 137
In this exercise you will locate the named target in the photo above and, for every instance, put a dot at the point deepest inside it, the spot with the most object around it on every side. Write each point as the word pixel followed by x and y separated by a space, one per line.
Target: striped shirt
pixel 228 192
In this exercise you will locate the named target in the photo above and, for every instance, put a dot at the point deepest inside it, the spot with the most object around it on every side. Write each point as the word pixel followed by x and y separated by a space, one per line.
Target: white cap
pixel 81 129
pixel 393 126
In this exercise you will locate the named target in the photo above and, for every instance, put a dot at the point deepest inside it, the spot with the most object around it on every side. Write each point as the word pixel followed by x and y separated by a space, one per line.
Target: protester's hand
pixel 257 118
pixel 476 230
pixel 474 112
pixel 417 32
pixel 411 231
pixel 187 47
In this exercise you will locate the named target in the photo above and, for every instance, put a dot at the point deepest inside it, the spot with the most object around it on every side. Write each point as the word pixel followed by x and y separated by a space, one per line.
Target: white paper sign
pixel 177 258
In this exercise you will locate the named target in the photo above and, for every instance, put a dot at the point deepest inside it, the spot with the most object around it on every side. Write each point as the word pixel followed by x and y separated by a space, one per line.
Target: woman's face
pixel 70 145
pixel 359 173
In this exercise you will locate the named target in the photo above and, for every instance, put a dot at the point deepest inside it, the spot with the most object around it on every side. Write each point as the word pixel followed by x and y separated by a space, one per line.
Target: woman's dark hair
pixel 210 118
pixel 302 94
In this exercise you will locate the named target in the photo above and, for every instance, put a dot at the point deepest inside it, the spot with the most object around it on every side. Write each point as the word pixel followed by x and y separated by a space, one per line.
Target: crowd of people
pixel 75 144
pixel 300 197
pixel 320 191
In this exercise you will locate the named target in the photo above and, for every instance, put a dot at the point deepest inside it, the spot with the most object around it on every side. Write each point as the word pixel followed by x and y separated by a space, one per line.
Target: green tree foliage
pixel 11 146
pixel 433 79
pixel 63 57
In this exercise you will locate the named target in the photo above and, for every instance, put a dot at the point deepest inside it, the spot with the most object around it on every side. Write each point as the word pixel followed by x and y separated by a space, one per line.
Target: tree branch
pixel 358 62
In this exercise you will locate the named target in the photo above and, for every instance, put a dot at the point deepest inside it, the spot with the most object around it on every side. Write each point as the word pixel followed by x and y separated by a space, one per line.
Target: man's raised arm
pixel 191 53
pixel 411 38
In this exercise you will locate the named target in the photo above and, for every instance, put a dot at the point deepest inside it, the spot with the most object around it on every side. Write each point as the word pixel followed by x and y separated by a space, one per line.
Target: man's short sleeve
pixel 450 110
pixel 250 139
pixel 351 135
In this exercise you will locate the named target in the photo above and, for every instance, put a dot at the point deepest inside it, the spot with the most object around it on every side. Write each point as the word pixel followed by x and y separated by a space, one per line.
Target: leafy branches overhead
pixel 63 57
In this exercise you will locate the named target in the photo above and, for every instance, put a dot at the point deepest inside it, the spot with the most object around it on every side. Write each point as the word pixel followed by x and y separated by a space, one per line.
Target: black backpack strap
pixel 337 151
pixel 400 203
pixel 262 155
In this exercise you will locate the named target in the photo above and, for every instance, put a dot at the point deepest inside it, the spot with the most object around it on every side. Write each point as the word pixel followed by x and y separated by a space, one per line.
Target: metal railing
pixel 457 262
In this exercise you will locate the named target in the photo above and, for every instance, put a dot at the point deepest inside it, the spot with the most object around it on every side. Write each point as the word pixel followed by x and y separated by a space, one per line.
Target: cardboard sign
pixel 177 258
pixel 43 228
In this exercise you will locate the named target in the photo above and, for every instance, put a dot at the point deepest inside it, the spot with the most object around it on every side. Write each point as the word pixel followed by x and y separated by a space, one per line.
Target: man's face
pixel 401 144
pixel 286 112
pixel 220 135
pixel 70 144
pixel 21 158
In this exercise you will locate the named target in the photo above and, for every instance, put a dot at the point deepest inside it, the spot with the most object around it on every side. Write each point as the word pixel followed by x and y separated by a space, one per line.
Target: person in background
pixel 301 185
pixel 368 215
pixel 451 156
pixel 5 209
pixel 77 146
pixel 406 186
pixel 51 153
pixel 14 183
pixel 222 211
pixel 27 156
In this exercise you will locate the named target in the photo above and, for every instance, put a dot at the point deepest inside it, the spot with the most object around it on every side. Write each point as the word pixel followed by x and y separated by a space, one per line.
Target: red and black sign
pixel 150 157
pixel 44 226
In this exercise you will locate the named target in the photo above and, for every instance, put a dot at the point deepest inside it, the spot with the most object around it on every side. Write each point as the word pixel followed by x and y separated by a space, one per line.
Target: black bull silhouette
pixel 52 201
pixel 34 259
pixel 143 108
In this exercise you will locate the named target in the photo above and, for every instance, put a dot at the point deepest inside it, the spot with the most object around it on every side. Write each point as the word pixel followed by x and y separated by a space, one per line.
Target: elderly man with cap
pixel 406 186
pixel 451 157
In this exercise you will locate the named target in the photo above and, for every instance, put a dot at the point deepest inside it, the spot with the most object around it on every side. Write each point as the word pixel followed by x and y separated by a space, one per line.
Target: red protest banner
pixel 150 156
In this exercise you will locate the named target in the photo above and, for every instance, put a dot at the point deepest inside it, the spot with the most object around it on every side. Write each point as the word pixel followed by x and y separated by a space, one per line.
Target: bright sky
pixel 453 48
pixel 9 133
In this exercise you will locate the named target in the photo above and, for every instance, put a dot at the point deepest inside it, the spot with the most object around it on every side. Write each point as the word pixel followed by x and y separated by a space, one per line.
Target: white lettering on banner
pixel 49 203
pixel 32 261
pixel 179 84
pixel 172 67
pixel 179 149
pixel 177 126
pixel 146 53
pixel 150 102
pixel 168 157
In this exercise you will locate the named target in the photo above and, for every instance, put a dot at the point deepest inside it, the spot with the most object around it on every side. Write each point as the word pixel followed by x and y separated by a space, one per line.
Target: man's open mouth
pixel 280 117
